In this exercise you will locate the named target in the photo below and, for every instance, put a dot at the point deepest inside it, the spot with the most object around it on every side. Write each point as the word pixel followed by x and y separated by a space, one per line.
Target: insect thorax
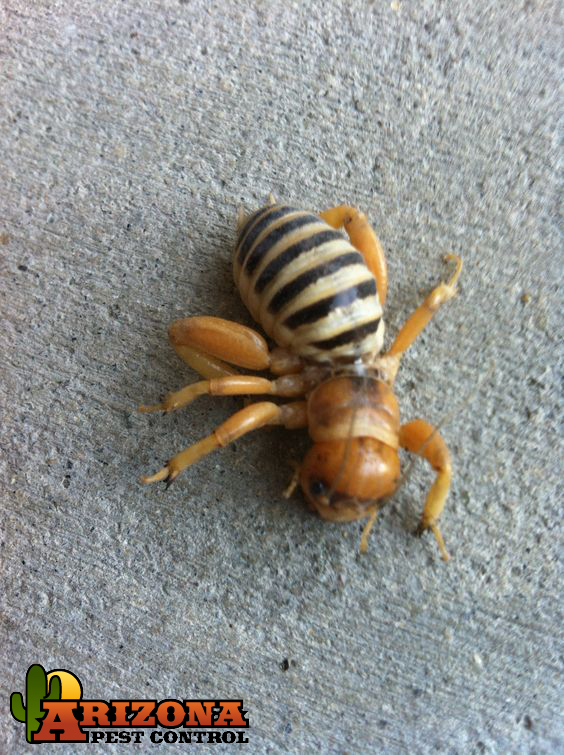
pixel 354 406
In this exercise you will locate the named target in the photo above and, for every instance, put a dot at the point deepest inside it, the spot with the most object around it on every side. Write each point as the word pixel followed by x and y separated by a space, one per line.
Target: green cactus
pixel 35 692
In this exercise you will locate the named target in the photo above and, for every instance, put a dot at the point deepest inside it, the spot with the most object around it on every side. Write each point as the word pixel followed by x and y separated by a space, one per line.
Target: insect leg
pixel 207 343
pixel 363 238
pixel 366 531
pixel 233 385
pixel 425 312
pixel 204 364
pixel 252 417
pixel 421 438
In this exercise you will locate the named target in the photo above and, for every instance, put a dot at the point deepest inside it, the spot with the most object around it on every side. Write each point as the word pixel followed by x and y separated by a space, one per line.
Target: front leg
pixel 421 438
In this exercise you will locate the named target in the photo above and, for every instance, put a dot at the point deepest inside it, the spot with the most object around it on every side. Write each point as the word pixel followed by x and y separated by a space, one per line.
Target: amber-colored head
pixel 343 480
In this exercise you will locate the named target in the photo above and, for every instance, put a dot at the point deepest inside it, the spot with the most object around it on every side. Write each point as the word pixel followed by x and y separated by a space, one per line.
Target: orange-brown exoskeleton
pixel 319 297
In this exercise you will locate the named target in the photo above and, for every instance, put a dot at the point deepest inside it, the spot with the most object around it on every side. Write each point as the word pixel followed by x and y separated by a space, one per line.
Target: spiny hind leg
pixel 363 238
pixel 250 418
pixel 421 438
pixel 210 344
pixel 425 312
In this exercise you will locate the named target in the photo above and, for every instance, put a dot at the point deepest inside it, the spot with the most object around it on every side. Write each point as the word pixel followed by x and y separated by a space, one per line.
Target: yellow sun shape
pixel 71 688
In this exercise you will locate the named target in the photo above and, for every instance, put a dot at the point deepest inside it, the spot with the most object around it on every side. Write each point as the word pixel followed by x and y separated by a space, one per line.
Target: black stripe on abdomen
pixel 324 307
pixel 354 335
pixel 252 219
pixel 301 282
pixel 261 220
pixel 273 237
pixel 292 253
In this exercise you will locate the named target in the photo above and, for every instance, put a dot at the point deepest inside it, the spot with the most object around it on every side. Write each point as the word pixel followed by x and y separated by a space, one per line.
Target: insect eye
pixel 317 487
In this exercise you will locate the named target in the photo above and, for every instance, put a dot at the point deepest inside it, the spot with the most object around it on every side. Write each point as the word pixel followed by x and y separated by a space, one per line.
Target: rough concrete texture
pixel 130 134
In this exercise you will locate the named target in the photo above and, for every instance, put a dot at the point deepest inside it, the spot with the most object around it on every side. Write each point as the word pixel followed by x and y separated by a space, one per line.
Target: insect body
pixel 319 296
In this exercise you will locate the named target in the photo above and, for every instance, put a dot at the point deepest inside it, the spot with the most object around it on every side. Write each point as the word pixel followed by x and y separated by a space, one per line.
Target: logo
pixel 54 711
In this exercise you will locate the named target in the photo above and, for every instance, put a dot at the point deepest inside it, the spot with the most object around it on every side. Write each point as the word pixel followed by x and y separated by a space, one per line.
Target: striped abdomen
pixel 307 285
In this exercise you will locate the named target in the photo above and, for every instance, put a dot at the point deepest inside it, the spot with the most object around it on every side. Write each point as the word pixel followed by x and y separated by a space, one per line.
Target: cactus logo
pixel 54 710
pixel 41 686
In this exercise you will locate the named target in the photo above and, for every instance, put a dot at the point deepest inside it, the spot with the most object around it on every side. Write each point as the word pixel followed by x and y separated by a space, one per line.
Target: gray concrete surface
pixel 130 133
